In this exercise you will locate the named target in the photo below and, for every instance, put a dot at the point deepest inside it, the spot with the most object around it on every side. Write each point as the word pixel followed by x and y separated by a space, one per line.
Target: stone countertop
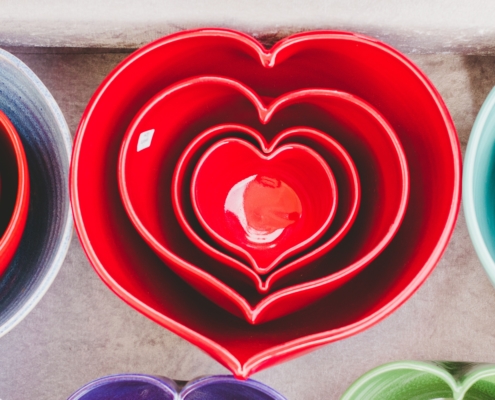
pixel 80 330
pixel 412 26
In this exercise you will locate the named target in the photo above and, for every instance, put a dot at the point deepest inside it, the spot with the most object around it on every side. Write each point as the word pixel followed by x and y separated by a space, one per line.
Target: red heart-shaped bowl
pixel 349 192
pixel 263 205
pixel 14 203
pixel 145 173
pixel 352 63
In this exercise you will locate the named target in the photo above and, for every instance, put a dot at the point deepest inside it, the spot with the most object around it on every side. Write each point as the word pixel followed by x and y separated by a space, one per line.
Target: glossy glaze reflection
pixel 263 206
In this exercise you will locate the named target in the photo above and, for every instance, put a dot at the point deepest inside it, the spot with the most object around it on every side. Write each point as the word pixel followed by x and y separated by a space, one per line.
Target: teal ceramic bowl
pixel 416 380
pixel 479 185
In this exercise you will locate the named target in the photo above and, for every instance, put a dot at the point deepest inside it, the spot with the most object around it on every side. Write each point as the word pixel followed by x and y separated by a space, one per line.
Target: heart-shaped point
pixel 263 207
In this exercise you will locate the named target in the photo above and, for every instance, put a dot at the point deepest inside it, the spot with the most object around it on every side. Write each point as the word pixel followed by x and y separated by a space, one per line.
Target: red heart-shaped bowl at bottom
pixel 362 66
pixel 179 113
pixel 14 201
pixel 349 193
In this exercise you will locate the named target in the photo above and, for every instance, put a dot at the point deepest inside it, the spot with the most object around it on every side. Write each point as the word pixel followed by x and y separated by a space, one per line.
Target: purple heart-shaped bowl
pixel 146 387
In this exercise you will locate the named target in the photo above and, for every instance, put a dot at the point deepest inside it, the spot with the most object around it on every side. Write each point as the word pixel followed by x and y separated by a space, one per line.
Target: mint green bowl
pixel 479 185
pixel 416 380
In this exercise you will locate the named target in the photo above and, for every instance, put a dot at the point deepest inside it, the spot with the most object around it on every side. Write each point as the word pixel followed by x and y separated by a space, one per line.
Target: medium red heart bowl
pixel 14 202
pixel 263 205
pixel 145 175
pixel 352 63
pixel 349 192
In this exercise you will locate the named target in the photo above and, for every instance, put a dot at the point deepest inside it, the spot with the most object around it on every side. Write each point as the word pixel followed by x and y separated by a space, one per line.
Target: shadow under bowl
pixel 47 142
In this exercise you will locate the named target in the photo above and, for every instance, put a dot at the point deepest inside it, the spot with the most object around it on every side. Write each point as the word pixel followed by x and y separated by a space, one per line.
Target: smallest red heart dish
pixel 264 206
pixel 14 203
pixel 339 160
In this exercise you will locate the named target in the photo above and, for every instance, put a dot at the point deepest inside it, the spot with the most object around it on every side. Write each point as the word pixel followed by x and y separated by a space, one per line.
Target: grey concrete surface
pixel 421 25
pixel 81 331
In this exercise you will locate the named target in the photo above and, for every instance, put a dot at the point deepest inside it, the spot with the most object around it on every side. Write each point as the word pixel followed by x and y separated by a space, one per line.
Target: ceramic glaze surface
pixel 479 190
pixel 349 193
pixel 145 387
pixel 46 141
pixel 425 381
pixel 14 203
pixel 339 61
pixel 371 141
pixel 265 208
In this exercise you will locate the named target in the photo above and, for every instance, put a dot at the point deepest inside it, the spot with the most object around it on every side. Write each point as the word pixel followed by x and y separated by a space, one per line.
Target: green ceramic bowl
pixel 416 380
pixel 479 185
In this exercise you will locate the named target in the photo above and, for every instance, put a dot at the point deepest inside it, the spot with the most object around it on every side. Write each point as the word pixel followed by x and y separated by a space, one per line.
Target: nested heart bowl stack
pixel 261 203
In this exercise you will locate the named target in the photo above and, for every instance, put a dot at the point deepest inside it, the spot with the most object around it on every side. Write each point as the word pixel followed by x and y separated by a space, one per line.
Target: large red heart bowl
pixel 14 201
pixel 352 63
pixel 145 174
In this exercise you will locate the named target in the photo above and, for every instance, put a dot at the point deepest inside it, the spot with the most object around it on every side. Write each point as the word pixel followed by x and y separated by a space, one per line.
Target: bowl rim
pixel 458 386
pixel 255 313
pixel 477 133
pixel 66 236
pixel 303 344
pixel 174 387
pixel 157 381
pixel 17 222
pixel 270 278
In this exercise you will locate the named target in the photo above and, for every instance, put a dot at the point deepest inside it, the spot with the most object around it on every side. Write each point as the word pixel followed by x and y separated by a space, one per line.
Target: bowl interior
pixel 9 180
pixel 383 177
pixel 345 62
pixel 479 191
pixel 340 162
pixel 127 387
pixel 15 199
pixel 46 141
pixel 264 207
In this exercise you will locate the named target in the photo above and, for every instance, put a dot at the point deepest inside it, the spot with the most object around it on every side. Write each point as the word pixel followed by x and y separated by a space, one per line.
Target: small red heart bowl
pixel 14 202
pixel 263 205
pixel 145 175
pixel 349 193
pixel 361 66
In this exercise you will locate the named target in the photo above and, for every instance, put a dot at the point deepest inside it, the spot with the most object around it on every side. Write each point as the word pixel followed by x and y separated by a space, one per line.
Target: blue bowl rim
pixel 59 257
